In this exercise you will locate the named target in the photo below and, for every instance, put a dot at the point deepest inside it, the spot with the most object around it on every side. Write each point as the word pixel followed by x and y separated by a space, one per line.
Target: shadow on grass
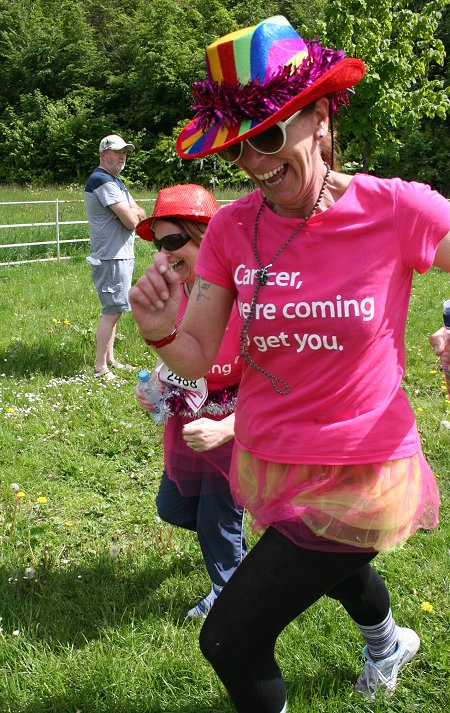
pixel 22 359
pixel 65 704
pixel 76 606
pixel 325 685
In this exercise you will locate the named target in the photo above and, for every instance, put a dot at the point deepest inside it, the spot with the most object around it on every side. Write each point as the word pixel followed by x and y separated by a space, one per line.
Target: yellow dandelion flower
pixel 10 409
pixel 69 523
pixel 20 494
pixel 41 499
pixel 55 321
pixel 420 408
pixel 433 371
pixel 66 322
pixel 426 607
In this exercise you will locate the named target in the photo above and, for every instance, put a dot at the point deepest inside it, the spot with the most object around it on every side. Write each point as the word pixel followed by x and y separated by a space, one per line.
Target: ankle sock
pixel 210 598
pixel 203 607
pixel 381 639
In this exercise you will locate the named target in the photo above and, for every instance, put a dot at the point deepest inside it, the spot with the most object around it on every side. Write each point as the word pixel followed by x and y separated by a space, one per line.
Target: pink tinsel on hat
pixel 229 103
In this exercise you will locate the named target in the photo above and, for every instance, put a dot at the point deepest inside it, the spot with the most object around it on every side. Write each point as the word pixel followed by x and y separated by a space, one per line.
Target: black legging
pixel 275 583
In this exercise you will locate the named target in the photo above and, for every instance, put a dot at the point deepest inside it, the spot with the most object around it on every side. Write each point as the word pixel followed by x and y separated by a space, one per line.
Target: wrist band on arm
pixel 162 342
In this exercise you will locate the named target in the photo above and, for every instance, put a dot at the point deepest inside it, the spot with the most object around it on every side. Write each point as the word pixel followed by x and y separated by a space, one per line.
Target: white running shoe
pixel 203 607
pixel 382 674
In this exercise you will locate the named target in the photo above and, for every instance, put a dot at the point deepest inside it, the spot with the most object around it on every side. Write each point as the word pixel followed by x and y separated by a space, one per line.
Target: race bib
pixel 196 392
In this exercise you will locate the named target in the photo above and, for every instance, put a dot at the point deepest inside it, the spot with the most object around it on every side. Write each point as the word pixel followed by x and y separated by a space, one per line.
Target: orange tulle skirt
pixel 373 506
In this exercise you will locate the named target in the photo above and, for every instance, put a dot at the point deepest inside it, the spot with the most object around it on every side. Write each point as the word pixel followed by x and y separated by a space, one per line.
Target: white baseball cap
pixel 114 142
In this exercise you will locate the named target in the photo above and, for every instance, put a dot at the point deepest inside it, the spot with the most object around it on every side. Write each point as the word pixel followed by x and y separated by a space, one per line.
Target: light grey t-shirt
pixel 110 239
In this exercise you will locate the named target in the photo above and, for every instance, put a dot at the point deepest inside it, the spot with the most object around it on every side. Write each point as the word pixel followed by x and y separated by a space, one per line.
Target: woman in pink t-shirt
pixel 327 457
pixel 194 491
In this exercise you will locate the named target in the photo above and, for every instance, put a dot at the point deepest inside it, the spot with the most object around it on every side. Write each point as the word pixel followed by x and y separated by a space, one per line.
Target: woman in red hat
pixel 194 491
pixel 327 456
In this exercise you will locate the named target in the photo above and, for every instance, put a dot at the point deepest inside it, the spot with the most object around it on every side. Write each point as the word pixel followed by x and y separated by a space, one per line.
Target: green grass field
pixel 94 588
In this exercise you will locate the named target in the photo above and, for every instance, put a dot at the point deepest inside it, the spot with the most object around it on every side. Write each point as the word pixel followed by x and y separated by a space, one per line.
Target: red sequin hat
pixel 257 77
pixel 187 201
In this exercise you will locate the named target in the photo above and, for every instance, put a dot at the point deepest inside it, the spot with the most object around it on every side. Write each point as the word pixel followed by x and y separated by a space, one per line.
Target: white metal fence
pixel 58 225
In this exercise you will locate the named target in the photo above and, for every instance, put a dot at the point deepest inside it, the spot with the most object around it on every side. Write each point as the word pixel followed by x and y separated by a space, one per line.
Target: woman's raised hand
pixel 155 299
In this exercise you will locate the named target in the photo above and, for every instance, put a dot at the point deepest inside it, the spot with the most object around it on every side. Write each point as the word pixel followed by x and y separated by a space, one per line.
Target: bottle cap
pixel 446 313
pixel 144 375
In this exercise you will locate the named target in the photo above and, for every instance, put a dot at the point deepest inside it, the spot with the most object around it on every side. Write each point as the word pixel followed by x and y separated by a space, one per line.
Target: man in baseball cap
pixel 113 216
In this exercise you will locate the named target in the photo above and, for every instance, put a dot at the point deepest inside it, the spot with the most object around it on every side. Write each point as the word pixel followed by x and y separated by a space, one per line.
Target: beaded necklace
pixel 262 278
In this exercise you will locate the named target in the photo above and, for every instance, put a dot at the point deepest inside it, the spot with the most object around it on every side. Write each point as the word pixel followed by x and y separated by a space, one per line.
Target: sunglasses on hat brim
pixel 175 241
pixel 270 141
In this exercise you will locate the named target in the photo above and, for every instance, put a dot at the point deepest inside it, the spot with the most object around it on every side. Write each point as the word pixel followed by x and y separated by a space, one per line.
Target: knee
pixel 213 647
pixel 165 512
pixel 207 646
pixel 173 515
pixel 233 655
pixel 221 642
pixel 160 508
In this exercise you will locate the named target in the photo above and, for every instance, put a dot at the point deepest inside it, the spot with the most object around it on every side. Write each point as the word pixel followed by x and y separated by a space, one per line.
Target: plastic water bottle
pixel 445 363
pixel 149 387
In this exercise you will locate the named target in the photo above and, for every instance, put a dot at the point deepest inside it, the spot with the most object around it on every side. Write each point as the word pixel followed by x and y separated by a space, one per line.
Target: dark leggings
pixel 275 583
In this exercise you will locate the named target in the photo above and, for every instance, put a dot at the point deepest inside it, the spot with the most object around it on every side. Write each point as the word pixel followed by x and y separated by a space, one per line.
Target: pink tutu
pixel 371 506
pixel 193 472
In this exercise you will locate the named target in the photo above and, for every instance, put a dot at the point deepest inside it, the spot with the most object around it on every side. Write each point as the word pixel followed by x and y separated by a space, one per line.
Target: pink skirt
pixel 194 473
pixel 373 507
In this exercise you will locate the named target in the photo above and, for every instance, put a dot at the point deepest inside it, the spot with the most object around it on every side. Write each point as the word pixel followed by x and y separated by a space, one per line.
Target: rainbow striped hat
pixel 258 76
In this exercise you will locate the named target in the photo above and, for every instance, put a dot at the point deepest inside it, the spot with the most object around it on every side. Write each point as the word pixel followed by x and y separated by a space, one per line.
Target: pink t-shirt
pixel 330 321
pixel 227 368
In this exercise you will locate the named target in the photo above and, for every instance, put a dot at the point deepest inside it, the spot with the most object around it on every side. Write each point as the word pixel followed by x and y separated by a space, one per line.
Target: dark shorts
pixel 112 280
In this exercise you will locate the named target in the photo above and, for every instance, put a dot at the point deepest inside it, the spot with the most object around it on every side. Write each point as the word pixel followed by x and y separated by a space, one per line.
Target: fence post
pixel 58 254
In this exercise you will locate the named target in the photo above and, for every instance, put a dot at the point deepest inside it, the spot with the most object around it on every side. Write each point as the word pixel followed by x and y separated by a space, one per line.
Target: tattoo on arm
pixel 201 288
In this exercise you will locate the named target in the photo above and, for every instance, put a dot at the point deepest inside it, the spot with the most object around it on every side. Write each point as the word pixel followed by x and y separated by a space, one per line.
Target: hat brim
pixel 145 231
pixel 192 142
pixel 128 148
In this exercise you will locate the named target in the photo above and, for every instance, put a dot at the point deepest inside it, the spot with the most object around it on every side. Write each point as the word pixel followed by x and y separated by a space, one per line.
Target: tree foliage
pixel 74 71
pixel 398 42
pixel 423 152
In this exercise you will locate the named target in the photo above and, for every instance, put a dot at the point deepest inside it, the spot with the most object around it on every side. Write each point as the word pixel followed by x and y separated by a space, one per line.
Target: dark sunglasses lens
pixel 171 242
pixel 231 154
pixel 268 141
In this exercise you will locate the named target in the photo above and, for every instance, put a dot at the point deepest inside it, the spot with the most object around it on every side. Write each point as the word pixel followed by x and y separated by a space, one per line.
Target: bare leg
pixel 105 335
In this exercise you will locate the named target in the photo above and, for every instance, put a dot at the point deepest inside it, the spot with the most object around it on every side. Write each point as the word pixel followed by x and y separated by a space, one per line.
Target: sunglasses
pixel 171 242
pixel 269 141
